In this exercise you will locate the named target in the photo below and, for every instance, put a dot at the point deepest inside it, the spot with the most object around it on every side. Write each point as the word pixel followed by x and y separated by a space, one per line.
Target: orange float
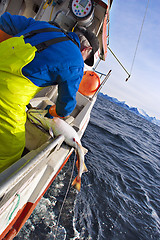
pixel 90 83
pixel 4 36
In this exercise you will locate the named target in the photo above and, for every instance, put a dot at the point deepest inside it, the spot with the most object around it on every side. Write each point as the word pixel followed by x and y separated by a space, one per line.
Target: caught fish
pixel 56 127
pixel 80 166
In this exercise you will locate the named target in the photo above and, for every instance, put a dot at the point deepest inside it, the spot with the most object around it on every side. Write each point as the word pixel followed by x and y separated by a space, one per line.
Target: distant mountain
pixel 139 112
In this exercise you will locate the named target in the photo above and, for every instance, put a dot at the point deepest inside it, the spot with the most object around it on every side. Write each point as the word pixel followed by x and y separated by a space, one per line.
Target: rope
pixel 10 216
pixel 48 3
pixel 50 18
pixel 139 37
pixel 60 213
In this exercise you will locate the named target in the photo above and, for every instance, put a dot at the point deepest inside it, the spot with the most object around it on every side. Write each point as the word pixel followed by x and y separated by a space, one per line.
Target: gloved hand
pixel 51 111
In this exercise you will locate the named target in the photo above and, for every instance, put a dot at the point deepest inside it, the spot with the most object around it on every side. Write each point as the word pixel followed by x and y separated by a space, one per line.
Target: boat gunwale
pixel 28 165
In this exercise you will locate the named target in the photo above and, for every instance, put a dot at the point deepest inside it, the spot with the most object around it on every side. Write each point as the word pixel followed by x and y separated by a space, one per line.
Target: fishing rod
pixel 120 64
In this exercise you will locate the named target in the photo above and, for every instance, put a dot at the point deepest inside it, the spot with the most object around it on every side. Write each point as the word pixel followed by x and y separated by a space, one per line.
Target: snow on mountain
pixel 135 110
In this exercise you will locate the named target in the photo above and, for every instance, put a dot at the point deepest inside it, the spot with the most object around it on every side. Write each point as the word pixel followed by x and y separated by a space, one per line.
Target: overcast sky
pixel 143 88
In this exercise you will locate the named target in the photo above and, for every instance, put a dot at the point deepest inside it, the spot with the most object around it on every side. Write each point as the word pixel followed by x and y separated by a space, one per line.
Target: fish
pixel 80 166
pixel 56 127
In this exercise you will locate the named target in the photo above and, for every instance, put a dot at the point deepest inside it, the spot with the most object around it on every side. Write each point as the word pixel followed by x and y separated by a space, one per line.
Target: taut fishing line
pixel 69 184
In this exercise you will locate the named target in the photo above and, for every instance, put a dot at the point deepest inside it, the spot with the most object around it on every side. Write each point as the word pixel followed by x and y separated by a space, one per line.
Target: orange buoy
pixel 89 84
pixel 4 36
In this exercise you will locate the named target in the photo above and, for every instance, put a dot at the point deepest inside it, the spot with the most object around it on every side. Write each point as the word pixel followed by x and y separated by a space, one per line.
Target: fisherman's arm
pixel 13 24
pixel 67 90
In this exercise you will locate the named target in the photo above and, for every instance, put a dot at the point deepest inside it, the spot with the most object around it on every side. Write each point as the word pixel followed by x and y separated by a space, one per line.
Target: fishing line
pixel 139 37
pixel 134 56
pixel 69 184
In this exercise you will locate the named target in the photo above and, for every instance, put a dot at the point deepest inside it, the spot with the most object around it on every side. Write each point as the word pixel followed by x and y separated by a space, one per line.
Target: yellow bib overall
pixel 15 93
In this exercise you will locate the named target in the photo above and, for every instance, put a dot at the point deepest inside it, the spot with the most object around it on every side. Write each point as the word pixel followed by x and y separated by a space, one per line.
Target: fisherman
pixel 31 62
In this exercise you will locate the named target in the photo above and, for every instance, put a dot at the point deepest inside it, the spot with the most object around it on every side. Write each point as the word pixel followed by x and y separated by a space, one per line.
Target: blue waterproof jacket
pixel 60 64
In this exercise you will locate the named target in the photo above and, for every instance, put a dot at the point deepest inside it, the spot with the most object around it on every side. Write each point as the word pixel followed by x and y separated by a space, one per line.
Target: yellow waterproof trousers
pixel 15 93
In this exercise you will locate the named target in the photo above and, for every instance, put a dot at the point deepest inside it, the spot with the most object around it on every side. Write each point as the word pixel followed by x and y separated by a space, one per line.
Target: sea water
pixel 120 193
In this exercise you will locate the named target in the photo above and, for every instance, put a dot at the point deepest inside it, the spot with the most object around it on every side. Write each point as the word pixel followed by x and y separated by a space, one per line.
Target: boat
pixel 23 184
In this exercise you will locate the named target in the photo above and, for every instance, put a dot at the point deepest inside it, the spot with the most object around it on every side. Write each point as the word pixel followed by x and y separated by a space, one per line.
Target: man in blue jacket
pixel 30 62
pixel 60 64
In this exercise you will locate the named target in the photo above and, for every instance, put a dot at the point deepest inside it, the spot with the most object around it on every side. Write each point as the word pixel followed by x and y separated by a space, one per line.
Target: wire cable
pixel 139 37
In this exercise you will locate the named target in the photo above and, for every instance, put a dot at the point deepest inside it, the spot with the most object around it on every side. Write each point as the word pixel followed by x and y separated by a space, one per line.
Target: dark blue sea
pixel 120 193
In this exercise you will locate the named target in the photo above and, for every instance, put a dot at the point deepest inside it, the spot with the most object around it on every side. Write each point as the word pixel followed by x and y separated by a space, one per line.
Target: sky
pixel 142 90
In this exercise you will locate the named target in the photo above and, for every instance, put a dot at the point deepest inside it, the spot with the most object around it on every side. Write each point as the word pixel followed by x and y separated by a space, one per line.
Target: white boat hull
pixel 24 183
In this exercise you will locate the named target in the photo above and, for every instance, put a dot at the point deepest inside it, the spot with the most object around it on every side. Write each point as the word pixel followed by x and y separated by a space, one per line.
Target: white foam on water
pixel 76 233
pixel 154 213
pixel 43 214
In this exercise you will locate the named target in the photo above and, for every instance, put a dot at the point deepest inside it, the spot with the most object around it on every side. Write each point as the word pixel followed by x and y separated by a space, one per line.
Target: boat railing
pixel 105 78
pixel 16 172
